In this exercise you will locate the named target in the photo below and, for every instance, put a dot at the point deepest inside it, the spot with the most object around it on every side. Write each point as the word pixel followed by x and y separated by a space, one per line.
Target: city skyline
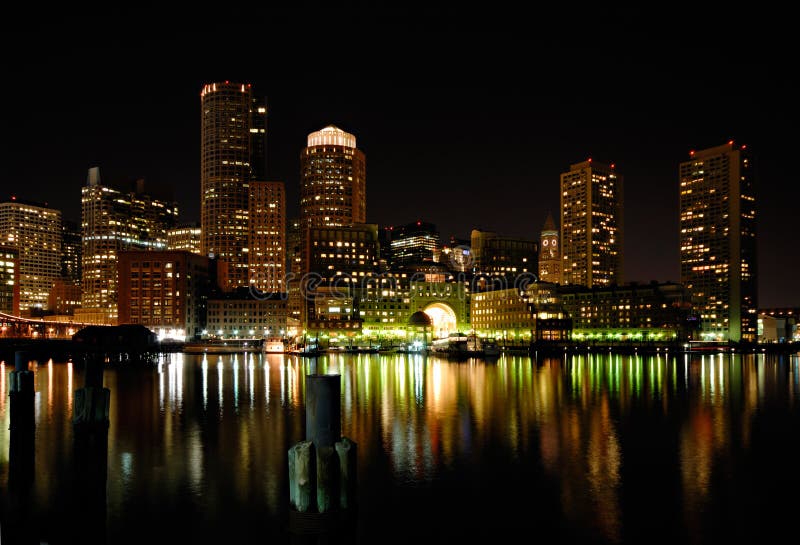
pixel 479 144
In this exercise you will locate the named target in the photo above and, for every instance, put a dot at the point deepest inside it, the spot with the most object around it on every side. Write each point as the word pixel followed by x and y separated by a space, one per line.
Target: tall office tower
pixel 267 243
pixel 549 253
pixel 34 230
pixel 233 132
pixel 591 225
pixel 113 220
pixel 718 241
pixel 71 245
pixel 332 180
pixel 185 237
pixel 413 243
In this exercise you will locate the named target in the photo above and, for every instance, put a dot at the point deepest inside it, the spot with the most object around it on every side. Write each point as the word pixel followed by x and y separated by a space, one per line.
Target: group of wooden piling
pixel 322 469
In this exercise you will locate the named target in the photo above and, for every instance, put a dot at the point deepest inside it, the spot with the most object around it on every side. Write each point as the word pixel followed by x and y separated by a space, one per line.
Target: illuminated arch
pixel 443 318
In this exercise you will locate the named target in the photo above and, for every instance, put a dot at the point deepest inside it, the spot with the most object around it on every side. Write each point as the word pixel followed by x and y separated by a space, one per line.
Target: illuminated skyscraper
pixel 71 247
pixel 9 281
pixel 549 253
pixel 267 244
pixel 332 191
pixel 718 241
pixel 34 230
pixel 591 225
pixel 332 180
pixel 113 220
pixel 233 133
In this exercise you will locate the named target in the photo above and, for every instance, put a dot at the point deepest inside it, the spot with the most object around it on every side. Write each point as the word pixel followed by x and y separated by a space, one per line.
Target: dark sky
pixel 466 118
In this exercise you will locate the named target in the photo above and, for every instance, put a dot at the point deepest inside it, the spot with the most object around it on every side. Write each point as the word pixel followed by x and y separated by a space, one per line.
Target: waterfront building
pixel 630 312
pixel 332 194
pixel 592 224
pixel 241 314
pixel 520 316
pixel 718 240
pixel 34 230
pixel 165 291
pixel 780 324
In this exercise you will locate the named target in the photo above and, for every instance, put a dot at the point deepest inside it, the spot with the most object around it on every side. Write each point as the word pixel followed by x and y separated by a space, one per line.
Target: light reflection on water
pixel 206 437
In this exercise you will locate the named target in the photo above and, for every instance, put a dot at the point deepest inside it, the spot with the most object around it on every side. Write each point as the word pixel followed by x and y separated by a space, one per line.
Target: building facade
pixel 517 316
pixel 164 291
pixel 332 180
pixel 592 225
pixel 116 220
pixel 185 238
pixel 550 253
pixel 9 280
pixel 71 249
pixel 412 243
pixel 512 258
pixel 34 230
pixel 267 241
pixel 64 297
pixel 233 153
pixel 718 241
pixel 630 312
pixel 240 315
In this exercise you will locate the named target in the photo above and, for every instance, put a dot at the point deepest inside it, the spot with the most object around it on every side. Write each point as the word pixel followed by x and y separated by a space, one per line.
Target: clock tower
pixel 550 253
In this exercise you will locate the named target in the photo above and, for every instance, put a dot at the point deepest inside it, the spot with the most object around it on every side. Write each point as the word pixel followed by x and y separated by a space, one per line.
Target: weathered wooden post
pixel 20 386
pixel 90 441
pixel 322 469
pixel 91 404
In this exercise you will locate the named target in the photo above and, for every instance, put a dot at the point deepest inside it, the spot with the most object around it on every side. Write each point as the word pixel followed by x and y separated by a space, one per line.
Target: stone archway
pixel 443 319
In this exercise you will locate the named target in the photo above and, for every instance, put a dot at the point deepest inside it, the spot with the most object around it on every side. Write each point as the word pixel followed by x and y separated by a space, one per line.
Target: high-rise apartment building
pixel 718 241
pixel 592 224
pixel 185 237
pixel 34 230
pixel 113 220
pixel 233 153
pixel 267 243
pixel 549 253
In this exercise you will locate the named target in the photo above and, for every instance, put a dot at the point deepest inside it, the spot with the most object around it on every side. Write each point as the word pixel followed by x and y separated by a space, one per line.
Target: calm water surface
pixel 584 449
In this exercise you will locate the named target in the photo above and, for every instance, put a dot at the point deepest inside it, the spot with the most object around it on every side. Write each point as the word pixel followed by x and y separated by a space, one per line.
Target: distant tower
pixel 549 253
pixel 267 243
pixel 718 241
pixel 591 225
pixel 233 132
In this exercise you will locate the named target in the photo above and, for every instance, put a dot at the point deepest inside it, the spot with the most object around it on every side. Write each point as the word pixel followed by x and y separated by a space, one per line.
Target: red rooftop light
pixel 730 142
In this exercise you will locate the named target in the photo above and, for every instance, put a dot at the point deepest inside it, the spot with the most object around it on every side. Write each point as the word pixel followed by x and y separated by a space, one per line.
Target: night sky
pixel 466 119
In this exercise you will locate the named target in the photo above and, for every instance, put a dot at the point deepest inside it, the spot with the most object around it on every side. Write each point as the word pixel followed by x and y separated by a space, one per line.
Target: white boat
pixel 274 346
